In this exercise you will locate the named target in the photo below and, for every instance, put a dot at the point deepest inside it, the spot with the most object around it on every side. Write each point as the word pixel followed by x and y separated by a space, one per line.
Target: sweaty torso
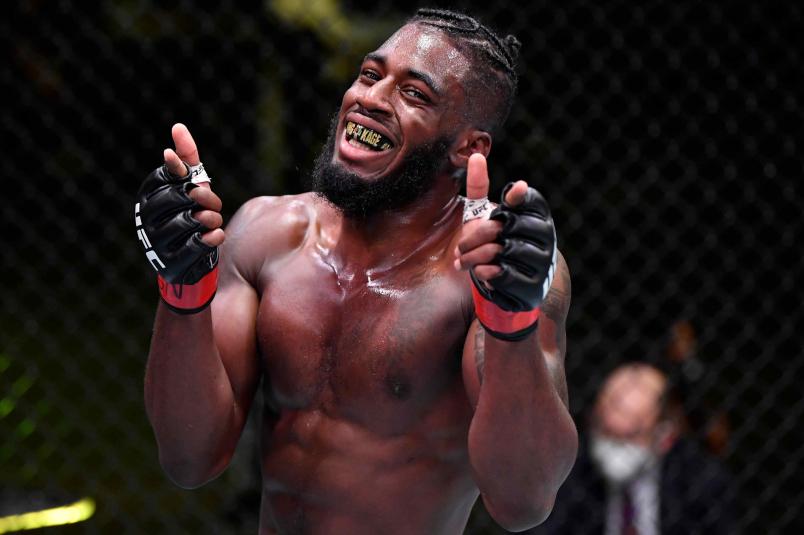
pixel 367 416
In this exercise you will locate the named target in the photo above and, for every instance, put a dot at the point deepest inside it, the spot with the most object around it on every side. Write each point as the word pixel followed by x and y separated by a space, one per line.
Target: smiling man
pixel 410 342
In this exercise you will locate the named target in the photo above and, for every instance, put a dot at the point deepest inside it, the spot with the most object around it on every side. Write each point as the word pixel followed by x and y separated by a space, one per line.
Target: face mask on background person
pixel 618 461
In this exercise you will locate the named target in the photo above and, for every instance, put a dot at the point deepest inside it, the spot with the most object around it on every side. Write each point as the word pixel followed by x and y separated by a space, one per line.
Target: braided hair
pixel 492 85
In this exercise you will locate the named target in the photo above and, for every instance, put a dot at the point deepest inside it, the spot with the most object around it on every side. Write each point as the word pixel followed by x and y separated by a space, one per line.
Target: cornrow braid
pixel 504 52
pixel 496 58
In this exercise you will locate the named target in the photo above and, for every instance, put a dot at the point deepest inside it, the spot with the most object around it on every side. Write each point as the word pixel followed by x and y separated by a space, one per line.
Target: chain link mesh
pixel 665 135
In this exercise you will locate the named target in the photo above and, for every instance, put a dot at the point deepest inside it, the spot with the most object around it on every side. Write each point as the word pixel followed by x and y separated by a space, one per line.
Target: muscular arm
pixel 201 375
pixel 522 440
pixel 203 368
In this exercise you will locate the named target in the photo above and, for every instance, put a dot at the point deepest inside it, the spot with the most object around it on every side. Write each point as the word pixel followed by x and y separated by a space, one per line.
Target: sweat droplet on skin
pixel 424 44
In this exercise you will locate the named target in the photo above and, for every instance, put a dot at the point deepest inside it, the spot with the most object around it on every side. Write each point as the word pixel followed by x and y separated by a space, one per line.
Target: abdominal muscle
pixel 327 475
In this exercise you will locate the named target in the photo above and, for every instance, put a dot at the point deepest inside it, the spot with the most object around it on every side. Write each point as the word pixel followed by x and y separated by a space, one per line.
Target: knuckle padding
pixel 524 256
pixel 524 226
pixel 167 216
pixel 528 241
pixel 164 203
pixel 179 230
pixel 166 213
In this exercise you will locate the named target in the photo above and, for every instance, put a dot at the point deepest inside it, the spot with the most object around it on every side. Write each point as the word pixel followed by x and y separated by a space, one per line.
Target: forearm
pixel 189 398
pixel 522 441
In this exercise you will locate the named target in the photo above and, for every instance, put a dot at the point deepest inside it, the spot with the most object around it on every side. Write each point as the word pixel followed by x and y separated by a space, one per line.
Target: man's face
pixel 358 198
pixel 408 93
pixel 624 439
pixel 628 405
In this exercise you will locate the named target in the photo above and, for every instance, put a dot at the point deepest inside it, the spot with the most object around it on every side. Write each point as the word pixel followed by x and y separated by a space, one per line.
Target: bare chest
pixel 378 352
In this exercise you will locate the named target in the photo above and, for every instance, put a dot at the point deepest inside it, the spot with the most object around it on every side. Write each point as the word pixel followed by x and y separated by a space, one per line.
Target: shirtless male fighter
pixel 410 353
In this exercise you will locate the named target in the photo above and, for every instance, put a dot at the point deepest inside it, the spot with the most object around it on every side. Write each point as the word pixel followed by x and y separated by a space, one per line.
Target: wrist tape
pixel 508 305
pixel 503 324
pixel 189 298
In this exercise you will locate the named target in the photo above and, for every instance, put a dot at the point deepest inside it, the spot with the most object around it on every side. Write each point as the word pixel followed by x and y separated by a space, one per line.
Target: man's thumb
pixel 187 152
pixel 477 177
pixel 185 144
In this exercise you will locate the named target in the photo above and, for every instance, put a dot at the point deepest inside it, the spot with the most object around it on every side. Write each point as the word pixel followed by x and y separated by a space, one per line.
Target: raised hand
pixel 511 256
pixel 187 152
pixel 178 223
pixel 479 246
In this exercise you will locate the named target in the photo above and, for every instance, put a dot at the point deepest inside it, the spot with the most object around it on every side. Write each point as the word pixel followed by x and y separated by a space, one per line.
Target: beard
pixel 358 198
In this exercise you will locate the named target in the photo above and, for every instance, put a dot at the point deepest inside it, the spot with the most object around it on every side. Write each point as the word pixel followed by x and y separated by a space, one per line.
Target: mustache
pixel 380 118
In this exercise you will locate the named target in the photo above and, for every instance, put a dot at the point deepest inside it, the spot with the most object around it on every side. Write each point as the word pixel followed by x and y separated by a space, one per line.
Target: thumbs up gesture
pixel 186 153
pixel 510 256
pixel 178 221
pixel 478 246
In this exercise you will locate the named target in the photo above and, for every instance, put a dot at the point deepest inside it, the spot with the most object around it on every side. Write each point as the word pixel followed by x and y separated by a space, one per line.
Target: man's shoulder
pixel 275 215
pixel 269 207
pixel 273 225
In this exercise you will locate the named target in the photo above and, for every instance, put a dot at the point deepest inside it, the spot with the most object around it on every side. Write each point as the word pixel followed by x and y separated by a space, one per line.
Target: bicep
pixel 234 321
pixel 249 240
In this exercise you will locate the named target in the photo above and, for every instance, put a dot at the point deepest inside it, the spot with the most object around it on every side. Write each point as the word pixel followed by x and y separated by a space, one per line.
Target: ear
pixel 469 142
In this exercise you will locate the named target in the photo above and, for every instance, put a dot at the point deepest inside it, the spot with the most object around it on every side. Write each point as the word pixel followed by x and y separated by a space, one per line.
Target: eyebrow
pixel 423 77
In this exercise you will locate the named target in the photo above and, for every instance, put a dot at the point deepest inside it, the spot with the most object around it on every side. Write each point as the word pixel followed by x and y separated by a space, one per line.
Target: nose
pixel 376 98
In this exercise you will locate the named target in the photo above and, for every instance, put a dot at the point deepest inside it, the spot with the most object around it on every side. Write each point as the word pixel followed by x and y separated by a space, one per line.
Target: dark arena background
pixel 667 137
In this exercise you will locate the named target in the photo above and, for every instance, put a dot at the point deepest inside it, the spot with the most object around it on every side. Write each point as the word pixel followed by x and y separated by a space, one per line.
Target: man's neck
pixel 388 239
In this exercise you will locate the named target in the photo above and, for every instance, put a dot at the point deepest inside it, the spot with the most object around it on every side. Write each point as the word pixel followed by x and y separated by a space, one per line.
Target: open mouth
pixel 364 137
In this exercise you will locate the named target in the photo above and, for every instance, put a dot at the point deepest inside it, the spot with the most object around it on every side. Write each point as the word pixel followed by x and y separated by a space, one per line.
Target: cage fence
pixel 665 135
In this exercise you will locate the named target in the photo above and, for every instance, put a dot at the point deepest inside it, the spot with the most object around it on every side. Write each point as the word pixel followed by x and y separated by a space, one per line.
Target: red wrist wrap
pixel 189 298
pixel 502 323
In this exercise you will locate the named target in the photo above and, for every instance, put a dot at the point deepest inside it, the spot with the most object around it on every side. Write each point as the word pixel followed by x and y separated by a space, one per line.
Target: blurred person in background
pixel 638 474
pixel 704 416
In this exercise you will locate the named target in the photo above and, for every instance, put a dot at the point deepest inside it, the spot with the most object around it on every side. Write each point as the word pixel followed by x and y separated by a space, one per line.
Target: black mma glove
pixel 509 310
pixel 187 268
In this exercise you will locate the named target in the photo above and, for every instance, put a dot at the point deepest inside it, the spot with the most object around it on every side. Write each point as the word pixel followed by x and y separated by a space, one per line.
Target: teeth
pixel 355 143
pixel 362 135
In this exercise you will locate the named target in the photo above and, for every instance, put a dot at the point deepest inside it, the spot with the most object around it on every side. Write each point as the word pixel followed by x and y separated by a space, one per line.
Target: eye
pixel 370 74
pixel 415 93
